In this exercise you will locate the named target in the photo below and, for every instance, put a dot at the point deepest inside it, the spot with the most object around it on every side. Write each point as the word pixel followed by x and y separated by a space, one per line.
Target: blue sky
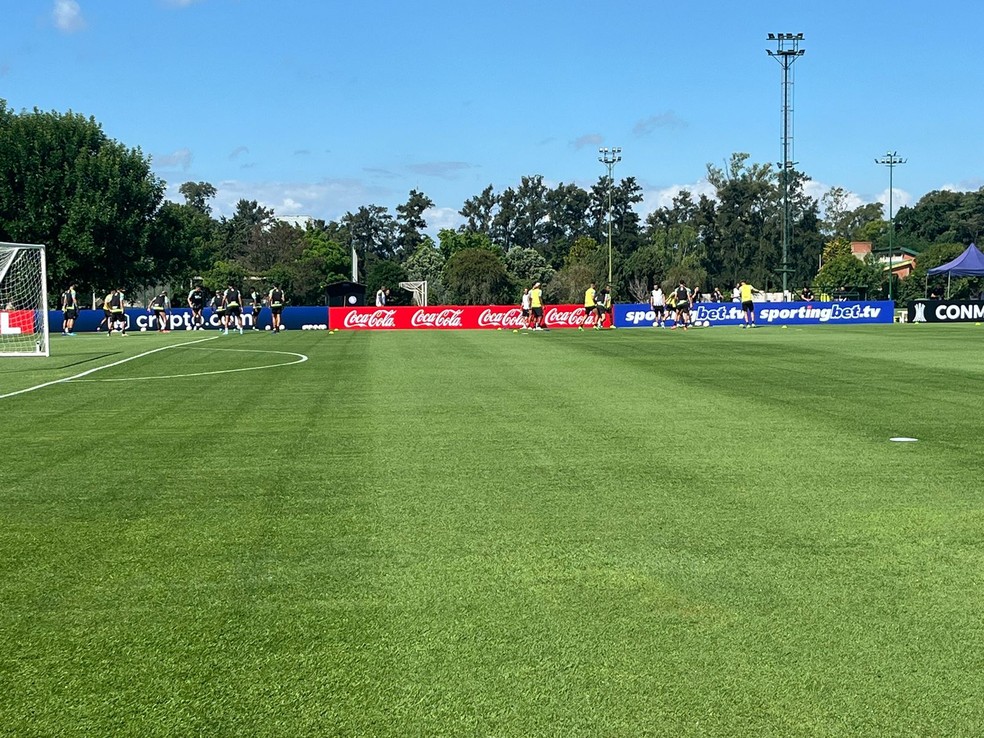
pixel 316 108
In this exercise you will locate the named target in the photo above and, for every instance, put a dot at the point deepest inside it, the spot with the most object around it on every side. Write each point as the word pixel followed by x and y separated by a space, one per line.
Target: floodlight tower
pixel 610 157
pixel 787 51
pixel 891 160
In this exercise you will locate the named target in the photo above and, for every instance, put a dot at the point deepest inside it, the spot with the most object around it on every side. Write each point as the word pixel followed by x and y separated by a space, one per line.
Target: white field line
pixel 301 358
pixel 100 368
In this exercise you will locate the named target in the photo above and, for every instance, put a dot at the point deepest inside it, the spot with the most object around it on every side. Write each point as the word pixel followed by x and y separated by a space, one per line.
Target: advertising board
pixel 450 317
pixel 945 311
pixel 179 319
pixel 766 313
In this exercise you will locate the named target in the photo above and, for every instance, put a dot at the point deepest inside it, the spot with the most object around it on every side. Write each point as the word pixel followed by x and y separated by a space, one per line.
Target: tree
pixel 89 199
pixel 427 265
pixel 238 232
pixel 181 242
pixel 479 212
pixel 388 273
pixel 276 244
pixel 531 214
pixel 454 241
pixel 842 270
pixel 841 220
pixel 567 208
pixel 747 221
pixel 506 220
pixel 410 217
pixel 477 277
pixel 569 283
pixel 526 266
pixel 372 231
pixel 322 261
pixel 197 195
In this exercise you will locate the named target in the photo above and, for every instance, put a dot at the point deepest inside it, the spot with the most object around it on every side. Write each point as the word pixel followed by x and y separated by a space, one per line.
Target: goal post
pixel 23 300
pixel 419 290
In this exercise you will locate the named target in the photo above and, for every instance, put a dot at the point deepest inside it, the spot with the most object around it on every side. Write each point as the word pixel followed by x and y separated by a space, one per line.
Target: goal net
pixel 23 300
pixel 419 290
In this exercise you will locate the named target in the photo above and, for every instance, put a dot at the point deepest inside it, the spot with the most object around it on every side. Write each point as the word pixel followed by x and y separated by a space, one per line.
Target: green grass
pixel 634 533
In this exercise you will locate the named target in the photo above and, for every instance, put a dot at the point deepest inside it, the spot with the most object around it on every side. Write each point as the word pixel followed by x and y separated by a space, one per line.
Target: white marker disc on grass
pixel 903 439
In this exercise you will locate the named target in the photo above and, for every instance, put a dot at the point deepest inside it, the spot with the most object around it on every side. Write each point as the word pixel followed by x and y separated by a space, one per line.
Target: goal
pixel 419 290
pixel 23 300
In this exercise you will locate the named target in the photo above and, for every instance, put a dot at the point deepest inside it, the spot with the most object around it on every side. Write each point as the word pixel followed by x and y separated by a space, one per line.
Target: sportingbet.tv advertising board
pixel 641 315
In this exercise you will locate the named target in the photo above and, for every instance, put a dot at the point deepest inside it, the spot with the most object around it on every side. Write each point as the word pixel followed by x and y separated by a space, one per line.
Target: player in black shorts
pixel 196 301
pixel 70 310
pixel 682 305
pixel 277 300
pixel 160 306
pixel 218 308
pixel 232 299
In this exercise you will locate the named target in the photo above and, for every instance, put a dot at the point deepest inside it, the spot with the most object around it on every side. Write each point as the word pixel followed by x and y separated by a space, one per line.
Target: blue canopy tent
pixel 969 264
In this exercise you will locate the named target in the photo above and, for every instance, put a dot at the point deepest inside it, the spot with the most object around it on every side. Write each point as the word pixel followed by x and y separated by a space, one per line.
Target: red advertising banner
pixel 444 317
pixel 15 322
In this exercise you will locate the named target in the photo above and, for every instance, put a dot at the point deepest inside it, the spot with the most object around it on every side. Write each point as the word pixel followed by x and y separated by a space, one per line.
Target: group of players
pixel 679 300
pixel 594 304
pixel 676 304
pixel 227 304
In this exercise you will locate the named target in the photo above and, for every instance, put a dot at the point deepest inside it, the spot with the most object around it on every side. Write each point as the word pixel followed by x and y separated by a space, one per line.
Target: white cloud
pixel 668 119
pixel 67 15
pixel 900 198
pixel 327 199
pixel 179 3
pixel 443 169
pixel 967 185
pixel 588 139
pixel 660 197
pixel 180 159
pixel 440 218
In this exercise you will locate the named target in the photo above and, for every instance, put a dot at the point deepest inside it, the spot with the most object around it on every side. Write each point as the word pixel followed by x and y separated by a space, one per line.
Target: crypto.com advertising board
pixel 179 319
pixel 767 313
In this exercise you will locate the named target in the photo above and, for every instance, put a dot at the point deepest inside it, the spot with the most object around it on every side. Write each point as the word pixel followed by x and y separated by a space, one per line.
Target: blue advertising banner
pixel 179 319
pixel 641 315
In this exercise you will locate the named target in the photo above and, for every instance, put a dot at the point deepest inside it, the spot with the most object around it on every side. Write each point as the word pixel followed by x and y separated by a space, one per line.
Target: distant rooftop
pixel 300 221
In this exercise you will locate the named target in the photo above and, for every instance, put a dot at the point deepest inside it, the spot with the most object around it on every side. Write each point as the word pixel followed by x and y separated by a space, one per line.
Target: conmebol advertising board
pixel 945 311
pixel 767 313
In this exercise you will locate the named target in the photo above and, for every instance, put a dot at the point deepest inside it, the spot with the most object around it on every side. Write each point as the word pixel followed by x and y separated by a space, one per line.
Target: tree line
pixel 102 213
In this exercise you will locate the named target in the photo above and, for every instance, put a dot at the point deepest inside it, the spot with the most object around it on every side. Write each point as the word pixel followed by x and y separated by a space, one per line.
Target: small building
pixel 902 262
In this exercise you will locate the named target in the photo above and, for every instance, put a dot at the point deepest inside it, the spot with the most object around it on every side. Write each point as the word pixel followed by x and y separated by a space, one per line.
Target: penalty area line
pixel 100 368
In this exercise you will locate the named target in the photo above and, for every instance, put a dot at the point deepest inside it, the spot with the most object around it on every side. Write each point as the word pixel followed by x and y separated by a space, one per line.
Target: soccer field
pixel 481 533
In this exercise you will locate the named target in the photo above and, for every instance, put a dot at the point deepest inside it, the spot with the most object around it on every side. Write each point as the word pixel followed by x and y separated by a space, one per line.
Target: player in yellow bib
pixel 746 291
pixel 590 306
pixel 536 306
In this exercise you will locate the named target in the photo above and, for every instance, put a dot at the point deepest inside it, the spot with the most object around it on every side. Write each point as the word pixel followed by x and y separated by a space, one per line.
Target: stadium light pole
pixel 787 51
pixel 891 160
pixel 610 157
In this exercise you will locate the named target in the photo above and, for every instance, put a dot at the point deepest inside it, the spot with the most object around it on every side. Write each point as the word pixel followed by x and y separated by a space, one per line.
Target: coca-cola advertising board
pixel 445 317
